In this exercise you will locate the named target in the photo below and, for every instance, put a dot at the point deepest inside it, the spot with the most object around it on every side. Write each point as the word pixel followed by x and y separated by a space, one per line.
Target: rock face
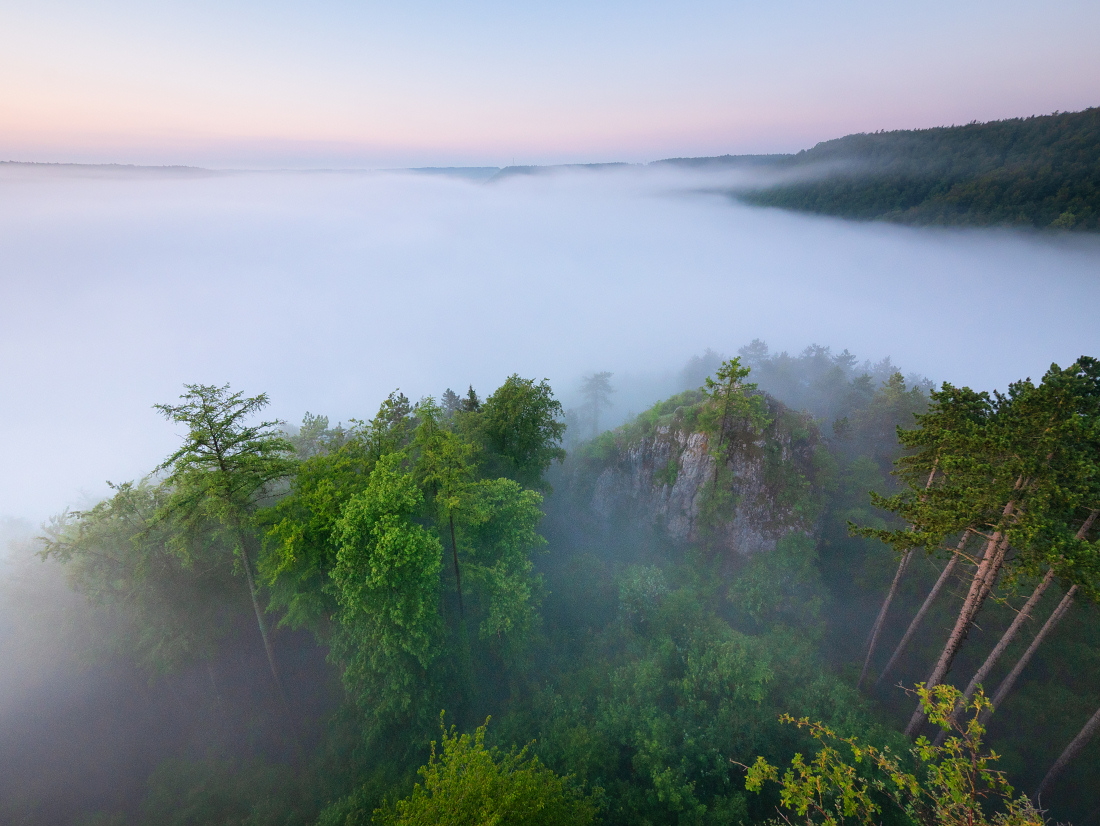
pixel 667 477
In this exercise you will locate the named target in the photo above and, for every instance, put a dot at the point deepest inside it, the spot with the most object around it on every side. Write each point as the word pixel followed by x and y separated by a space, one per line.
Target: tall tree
pixel 1022 616
pixel 391 428
pixel 596 390
pixel 470 404
pixel 950 425
pixel 1007 472
pixel 493 521
pixel 521 427
pixel 451 402
pixel 876 629
pixel 498 524
pixel 386 577
pixel 1078 558
pixel 444 468
pixel 315 437
pixel 300 542
pixel 1009 682
pixel 733 398
pixel 222 470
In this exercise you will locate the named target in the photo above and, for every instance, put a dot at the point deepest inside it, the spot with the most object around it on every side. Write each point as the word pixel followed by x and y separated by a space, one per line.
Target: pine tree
pixel 222 470
pixel 1011 466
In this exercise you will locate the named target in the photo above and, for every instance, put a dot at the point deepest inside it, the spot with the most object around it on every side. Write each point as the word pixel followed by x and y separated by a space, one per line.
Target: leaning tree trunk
pixel 881 619
pixel 1006 639
pixel 919 618
pixel 260 622
pixel 877 628
pixel 1072 750
pixel 980 586
pixel 1009 682
pixel 1023 616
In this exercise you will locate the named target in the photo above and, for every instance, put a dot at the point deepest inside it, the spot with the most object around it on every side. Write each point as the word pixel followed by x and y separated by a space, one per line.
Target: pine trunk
pixel 999 648
pixel 980 586
pixel 882 616
pixel 1023 616
pixel 1009 682
pixel 1072 750
pixel 919 618
pixel 881 619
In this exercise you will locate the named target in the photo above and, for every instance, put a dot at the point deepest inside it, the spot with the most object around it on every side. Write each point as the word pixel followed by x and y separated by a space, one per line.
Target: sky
pixel 329 290
pixel 363 84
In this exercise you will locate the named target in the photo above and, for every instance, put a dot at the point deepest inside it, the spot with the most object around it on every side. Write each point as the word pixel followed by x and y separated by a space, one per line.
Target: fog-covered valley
pixel 639 609
pixel 328 290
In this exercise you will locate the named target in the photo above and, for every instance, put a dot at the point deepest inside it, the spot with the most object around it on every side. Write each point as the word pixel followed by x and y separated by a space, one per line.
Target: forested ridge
pixel 804 587
pixel 1041 172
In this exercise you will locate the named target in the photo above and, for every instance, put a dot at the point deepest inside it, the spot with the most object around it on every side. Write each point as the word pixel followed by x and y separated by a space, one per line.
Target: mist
pixel 329 289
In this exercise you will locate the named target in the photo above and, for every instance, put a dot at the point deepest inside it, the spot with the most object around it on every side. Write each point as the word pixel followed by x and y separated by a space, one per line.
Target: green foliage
pixel 300 543
pixel 171 605
pixel 640 668
pixel 781 586
pixel 733 400
pixel 215 792
pixel 668 474
pixel 386 581
pixel 391 427
pixel 444 464
pixel 596 390
pixel 224 462
pixel 735 416
pixel 653 708
pixel 641 589
pixel 874 427
pixel 467 784
pixel 520 425
pixel 1040 172
pixel 827 385
pixel 955 784
pixel 1035 449
pixel 354 551
pixel 498 521
pixel 315 437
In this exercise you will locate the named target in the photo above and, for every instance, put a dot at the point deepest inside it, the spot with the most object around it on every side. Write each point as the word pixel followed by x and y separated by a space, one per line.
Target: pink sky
pixel 348 84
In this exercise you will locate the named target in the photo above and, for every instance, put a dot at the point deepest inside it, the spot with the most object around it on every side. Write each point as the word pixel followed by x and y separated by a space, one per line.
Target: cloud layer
pixel 329 290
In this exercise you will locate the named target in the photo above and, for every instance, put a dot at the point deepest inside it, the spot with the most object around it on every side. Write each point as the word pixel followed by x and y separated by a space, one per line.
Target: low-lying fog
pixel 328 290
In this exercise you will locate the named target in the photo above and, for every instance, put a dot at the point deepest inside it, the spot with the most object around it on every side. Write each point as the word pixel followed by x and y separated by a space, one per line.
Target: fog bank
pixel 328 290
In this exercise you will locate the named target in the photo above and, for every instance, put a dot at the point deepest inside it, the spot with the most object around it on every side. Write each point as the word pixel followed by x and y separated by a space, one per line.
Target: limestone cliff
pixel 663 473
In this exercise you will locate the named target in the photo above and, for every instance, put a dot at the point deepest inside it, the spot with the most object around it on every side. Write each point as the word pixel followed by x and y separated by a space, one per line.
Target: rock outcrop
pixel 667 478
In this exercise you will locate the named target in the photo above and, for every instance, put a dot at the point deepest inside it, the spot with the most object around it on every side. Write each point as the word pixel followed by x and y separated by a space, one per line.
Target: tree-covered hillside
pixel 1027 172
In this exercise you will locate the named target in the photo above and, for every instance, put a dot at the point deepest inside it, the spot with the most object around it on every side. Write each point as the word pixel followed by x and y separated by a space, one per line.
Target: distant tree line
pixel 1041 172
